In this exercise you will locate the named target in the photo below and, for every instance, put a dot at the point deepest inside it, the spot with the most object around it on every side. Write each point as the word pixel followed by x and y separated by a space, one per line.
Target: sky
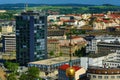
pixel 98 2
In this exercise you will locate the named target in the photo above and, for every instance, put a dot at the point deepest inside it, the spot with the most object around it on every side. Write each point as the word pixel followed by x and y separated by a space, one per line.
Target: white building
pixel 92 45
pixel 109 61
pixel 53 17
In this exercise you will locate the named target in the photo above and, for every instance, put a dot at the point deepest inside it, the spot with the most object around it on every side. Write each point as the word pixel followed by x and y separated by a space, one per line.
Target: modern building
pixel 89 43
pixel 79 72
pixel 112 60
pixel 31 36
pixel 108 47
pixel 108 60
pixel 9 43
pixel 50 66
pixel 106 44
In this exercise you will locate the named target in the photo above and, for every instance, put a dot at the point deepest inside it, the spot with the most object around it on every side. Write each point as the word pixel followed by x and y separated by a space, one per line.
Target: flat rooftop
pixel 53 60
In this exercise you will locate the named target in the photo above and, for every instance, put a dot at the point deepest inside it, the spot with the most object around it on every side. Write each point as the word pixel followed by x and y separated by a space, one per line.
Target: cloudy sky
pixel 98 2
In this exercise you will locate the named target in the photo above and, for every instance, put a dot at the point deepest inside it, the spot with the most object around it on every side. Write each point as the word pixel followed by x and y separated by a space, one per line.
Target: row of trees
pixel 31 74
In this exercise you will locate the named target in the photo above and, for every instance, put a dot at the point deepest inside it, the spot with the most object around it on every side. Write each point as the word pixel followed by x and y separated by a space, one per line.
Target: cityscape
pixel 60 40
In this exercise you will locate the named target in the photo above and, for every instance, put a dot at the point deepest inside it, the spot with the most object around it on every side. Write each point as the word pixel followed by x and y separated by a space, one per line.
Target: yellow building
pixel 63 46
pixel 53 46
pixel 6 28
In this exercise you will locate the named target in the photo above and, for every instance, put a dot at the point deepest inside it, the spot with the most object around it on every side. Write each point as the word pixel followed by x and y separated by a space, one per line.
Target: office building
pixel 9 43
pixel 50 66
pixel 31 36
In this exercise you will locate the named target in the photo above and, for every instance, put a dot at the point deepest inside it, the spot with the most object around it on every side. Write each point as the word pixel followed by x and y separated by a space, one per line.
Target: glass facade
pixel 31 37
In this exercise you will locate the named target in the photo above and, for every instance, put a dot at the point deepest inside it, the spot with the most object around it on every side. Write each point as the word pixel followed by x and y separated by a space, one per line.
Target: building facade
pixel 53 46
pixel 50 66
pixel 106 47
pixel 9 43
pixel 31 36
pixel 62 72
pixel 7 28
pixel 97 73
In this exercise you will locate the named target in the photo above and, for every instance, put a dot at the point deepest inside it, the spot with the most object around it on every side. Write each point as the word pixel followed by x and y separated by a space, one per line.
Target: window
pixel 118 77
pixel 112 77
pixel 99 77
pixel 89 76
pixel 106 77
pixel 94 76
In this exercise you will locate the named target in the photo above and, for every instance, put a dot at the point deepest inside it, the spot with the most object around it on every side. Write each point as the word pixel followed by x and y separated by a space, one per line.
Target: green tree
pixel 12 76
pixel 23 77
pixel 80 52
pixel 33 73
pixel 11 66
pixel 51 53
pixel 60 54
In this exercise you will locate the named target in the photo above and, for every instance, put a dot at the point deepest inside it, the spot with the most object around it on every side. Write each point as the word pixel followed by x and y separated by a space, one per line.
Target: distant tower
pixel 26 6
pixel 31 37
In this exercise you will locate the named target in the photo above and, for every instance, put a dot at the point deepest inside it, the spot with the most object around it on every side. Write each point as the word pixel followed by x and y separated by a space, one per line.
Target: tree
pixel 23 77
pixel 12 76
pixel 33 73
pixel 11 66
pixel 51 53
pixel 60 54
pixel 80 52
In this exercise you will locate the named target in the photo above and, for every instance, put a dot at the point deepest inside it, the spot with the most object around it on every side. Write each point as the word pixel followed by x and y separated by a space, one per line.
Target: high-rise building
pixel 31 37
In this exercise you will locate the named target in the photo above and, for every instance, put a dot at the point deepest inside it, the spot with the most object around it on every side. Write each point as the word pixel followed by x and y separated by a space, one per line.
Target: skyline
pixel 94 2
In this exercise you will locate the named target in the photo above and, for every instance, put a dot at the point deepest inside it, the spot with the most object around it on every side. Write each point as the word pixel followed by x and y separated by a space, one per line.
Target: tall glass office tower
pixel 31 37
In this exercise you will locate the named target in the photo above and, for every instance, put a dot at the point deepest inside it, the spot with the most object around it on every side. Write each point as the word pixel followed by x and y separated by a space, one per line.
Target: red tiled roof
pixel 74 37
pixel 98 15
pixel 65 66
pixel 117 26
pixel 115 15
pixel 68 20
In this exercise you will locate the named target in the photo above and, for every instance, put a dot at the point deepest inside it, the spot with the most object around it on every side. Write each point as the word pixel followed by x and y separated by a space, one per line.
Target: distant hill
pixel 63 8
pixel 22 5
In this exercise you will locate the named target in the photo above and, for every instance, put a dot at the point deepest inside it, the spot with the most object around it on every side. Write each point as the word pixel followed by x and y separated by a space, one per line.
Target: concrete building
pixel 108 47
pixel 50 66
pixel 99 73
pixel 53 46
pixel 31 36
pixel 54 17
pixel 102 43
pixel 112 60
pixel 56 34
pixel 9 43
pixel 66 18
pixel 63 46
pixel 7 28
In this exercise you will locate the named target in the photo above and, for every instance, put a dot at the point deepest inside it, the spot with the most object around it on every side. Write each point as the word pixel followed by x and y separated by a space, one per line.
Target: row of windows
pixel 112 64
pixel 104 77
